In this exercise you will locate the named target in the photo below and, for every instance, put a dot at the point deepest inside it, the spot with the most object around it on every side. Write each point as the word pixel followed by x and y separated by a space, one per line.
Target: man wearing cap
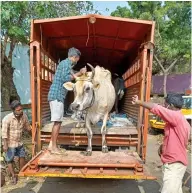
pixel 12 126
pixel 173 150
pixel 57 94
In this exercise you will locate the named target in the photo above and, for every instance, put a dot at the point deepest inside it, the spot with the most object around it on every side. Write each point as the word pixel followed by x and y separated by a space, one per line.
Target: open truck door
pixel 116 165
pixel 121 45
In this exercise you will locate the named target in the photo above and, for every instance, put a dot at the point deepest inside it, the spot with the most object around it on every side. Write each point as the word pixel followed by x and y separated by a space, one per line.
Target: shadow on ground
pixel 61 185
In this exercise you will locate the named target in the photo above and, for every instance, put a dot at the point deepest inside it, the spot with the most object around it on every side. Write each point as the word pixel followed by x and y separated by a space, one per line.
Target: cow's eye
pixel 87 89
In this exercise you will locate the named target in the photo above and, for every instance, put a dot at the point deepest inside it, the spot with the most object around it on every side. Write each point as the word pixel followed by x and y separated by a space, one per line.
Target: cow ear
pixel 69 86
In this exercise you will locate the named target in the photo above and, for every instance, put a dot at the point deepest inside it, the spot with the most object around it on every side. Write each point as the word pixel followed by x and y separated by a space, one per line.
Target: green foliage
pixel 13 18
pixel 16 15
pixel 15 28
pixel 173 29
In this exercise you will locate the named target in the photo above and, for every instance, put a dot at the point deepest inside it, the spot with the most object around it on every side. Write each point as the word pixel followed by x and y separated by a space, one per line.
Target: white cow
pixel 94 93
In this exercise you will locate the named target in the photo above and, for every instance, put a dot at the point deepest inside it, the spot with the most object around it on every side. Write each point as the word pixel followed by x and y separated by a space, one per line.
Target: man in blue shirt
pixel 57 93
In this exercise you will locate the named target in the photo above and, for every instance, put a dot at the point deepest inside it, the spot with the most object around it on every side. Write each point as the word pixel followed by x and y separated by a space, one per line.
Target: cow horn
pixel 92 69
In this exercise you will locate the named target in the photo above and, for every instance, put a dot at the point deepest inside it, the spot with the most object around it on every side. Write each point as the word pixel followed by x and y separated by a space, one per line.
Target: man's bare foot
pixel 14 180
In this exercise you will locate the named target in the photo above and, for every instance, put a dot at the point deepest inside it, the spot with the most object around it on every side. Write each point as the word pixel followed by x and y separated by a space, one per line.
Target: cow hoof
pixel 86 153
pixel 105 149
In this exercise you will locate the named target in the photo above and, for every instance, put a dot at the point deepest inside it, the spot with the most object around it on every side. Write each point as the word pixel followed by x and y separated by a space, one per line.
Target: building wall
pixel 21 76
pixel 176 83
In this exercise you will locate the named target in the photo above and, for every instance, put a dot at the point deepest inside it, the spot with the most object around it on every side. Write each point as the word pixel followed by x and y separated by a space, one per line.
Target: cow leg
pixel 90 136
pixel 78 125
pixel 103 132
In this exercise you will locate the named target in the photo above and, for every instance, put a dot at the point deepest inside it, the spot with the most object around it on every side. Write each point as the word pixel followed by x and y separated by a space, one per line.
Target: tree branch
pixel 157 60
pixel 171 66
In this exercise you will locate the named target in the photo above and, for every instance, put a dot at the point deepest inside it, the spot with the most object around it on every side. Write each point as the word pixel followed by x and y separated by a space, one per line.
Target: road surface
pixel 63 185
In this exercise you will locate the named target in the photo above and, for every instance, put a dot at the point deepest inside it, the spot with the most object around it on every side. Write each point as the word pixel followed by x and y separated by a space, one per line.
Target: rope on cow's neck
pixel 83 79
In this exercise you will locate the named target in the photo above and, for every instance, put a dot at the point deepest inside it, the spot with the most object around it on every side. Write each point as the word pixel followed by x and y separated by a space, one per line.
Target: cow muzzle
pixel 74 106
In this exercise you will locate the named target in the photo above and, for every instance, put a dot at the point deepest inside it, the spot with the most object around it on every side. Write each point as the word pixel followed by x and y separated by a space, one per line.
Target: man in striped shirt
pixel 12 126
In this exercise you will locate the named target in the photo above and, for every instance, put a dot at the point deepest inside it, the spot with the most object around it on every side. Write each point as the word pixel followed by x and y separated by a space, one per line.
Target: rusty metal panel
pixel 137 82
pixel 141 123
pixel 152 34
pixel 48 68
pixel 83 172
pixel 127 107
pixel 117 165
pixel 144 95
pixel 109 18
pixel 97 159
pixel 132 79
pixel 82 140
pixel 33 67
pixel 42 71
pixel 149 47
pixel 46 114
pixel 39 100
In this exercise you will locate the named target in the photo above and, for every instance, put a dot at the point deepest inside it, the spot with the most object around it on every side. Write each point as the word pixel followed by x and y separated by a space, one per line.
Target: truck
pixel 187 106
pixel 121 45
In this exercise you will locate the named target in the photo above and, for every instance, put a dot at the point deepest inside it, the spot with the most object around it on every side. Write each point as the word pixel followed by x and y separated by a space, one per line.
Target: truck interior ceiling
pixel 112 43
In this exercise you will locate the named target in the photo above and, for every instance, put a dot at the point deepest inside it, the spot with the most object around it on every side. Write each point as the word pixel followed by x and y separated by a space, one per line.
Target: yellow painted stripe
pixel 136 177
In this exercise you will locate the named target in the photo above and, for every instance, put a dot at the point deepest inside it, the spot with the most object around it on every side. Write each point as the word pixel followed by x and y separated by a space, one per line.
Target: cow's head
pixel 83 90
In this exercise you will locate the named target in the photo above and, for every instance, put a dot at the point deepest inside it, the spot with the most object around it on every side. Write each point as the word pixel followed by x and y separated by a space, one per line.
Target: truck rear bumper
pixel 112 165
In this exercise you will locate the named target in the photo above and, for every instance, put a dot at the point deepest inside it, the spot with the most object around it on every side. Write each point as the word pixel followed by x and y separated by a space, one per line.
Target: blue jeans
pixel 12 152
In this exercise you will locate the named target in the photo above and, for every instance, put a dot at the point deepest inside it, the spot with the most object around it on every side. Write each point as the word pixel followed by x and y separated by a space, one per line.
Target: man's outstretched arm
pixel 147 105
pixel 162 112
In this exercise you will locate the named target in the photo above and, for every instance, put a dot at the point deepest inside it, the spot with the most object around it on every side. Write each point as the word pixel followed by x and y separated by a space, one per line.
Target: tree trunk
pixel 3 47
pixel 8 89
pixel 165 84
pixel 165 72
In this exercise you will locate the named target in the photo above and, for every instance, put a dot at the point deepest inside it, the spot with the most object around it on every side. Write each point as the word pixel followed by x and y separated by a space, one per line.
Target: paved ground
pixel 62 185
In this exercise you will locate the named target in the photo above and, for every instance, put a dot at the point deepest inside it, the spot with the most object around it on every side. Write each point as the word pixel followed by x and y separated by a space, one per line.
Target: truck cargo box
pixel 121 45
